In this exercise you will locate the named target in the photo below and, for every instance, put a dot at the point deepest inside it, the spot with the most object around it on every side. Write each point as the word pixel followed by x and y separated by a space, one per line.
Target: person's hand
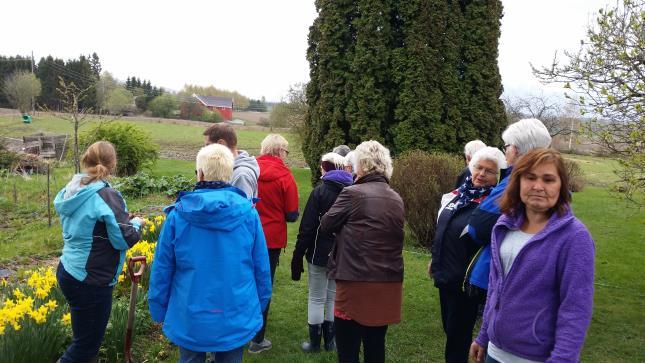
pixel 297 267
pixel 142 222
pixel 477 353
pixel 430 269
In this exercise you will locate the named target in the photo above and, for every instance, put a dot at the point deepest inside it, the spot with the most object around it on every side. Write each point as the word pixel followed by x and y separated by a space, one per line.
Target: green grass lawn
pixel 619 312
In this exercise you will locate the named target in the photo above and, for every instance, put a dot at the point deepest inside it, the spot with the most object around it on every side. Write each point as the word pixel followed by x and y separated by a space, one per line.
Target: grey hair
pixel 342 150
pixel 472 146
pixel 527 134
pixel 335 159
pixel 373 158
pixel 216 162
pixel 488 153
pixel 272 144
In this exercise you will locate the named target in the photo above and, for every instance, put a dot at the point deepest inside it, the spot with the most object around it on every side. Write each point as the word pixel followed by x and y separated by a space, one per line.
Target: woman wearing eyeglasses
pixel 453 249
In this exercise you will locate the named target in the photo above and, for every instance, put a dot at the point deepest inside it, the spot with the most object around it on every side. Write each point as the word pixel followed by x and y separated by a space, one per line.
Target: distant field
pixel 251 117
pixel 177 139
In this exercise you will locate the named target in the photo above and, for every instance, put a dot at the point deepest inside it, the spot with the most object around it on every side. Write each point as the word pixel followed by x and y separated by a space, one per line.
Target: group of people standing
pixel 505 239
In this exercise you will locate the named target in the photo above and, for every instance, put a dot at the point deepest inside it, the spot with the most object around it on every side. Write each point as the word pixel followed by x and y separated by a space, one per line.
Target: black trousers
pixel 458 315
pixel 274 261
pixel 90 308
pixel 350 335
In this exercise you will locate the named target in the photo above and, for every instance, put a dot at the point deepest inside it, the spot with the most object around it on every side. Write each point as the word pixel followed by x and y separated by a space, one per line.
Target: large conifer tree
pixel 416 74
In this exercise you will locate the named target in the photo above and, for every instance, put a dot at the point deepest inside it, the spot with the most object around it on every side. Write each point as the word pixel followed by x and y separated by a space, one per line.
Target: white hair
pixel 272 144
pixel 488 153
pixel 471 148
pixel 335 159
pixel 350 160
pixel 373 158
pixel 527 134
pixel 216 163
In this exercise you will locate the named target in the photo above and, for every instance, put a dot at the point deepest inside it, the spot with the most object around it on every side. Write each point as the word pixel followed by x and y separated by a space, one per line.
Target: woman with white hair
pixel 453 249
pixel 315 246
pixel 519 138
pixel 367 261
pixel 470 149
pixel 278 194
pixel 350 163
pixel 211 278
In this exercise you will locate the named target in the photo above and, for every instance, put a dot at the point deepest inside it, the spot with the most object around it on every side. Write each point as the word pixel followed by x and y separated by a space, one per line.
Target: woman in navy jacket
pixel 453 249
pixel 316 246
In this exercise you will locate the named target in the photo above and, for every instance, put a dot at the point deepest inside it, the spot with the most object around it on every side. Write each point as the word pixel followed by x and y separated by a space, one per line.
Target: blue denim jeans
pixel 90 308
pixel 231 356
pixel 322 291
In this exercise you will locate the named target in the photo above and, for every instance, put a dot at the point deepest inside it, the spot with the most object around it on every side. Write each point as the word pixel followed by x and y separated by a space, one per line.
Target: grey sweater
pixel 245 174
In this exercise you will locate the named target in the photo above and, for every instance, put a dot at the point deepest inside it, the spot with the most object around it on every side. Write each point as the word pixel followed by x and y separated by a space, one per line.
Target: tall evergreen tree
pixel 330 55
pixel 416 74
pixel 482 110
pixel 369 87
pixel 49 71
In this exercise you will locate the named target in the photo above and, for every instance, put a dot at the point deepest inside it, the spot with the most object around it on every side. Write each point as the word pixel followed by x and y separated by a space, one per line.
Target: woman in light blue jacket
pixel 210 278
pixel 96 233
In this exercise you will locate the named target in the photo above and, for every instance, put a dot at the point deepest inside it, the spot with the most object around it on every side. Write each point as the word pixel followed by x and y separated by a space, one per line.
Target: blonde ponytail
pixel 98 161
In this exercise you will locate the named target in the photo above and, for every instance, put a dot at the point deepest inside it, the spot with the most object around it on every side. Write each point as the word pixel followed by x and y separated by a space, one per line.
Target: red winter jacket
pixel 278 203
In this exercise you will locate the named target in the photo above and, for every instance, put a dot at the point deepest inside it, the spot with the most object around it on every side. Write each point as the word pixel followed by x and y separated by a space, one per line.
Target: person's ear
pixel 222 142
pixel 200 175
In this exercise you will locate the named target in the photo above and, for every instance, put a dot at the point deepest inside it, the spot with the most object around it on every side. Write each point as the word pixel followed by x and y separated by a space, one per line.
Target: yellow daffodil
pixel 51 304
pixel 67 319
pixel 121 278
pixel 18 294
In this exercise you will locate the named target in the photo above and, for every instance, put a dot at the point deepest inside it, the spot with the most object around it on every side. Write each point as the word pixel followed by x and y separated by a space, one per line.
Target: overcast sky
pixel 253 46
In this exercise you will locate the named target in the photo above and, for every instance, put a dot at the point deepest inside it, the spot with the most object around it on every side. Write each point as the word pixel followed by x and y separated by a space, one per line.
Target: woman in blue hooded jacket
pixel 211 279
pixel 97 231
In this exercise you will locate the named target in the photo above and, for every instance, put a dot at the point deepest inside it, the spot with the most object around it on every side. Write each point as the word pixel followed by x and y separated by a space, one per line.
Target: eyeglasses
pixel 505 147
pixel 285 151
pixel 479 169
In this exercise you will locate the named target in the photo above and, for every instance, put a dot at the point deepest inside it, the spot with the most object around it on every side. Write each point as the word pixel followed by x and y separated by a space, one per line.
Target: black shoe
pixel 329 334
pixel 313 345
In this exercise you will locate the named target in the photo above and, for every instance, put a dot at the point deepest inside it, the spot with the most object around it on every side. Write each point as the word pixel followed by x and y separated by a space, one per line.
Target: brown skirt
pixel 369 303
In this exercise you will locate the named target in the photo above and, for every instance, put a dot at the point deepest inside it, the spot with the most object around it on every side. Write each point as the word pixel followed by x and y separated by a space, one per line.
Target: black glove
pixel 297 267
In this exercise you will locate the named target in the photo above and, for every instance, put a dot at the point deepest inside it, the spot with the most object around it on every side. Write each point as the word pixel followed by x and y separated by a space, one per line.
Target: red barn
pixel 223 105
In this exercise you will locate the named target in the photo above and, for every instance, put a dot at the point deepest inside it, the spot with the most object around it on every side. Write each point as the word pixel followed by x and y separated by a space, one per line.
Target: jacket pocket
pixel 540 327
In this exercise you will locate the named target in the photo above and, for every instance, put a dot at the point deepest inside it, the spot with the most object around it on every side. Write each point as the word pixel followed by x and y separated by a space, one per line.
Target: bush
pixel 8 159
pixel 576 176
pixel 134 146
pixel 421 179
pixel 163 106
pixel 143 184
pixel 211 116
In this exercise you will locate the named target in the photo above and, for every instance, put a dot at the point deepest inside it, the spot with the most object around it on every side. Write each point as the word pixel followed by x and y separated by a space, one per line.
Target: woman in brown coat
pixel 367 261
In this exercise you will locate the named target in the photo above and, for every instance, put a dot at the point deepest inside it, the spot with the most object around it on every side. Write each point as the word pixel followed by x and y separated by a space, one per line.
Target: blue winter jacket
pixel 480 228
pixel 96 231
pixel 210 278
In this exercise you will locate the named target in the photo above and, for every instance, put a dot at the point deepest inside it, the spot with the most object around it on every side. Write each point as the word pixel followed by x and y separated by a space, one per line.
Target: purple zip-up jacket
pixel 541 310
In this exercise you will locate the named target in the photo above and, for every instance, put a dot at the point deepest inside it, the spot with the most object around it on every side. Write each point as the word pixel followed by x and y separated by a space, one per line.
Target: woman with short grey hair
pixel 367 261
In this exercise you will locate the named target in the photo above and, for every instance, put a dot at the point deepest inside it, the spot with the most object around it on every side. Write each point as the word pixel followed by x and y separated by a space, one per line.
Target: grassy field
pixel 619 312
pixel 184 138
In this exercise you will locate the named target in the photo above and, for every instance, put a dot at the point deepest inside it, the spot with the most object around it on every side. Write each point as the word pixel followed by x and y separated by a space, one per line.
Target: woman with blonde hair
pixel 97 231
pixel 278 194
pixel 366 262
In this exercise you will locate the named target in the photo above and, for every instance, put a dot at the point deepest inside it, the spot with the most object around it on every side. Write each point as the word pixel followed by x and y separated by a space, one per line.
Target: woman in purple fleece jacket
pixel 540 291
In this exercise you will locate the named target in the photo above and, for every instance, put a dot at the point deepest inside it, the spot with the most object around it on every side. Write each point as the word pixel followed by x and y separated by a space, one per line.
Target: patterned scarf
pixel 211 185
pixel 467 193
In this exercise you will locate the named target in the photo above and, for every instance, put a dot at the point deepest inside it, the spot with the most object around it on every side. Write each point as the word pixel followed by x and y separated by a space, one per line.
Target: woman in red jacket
pixel 278 194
